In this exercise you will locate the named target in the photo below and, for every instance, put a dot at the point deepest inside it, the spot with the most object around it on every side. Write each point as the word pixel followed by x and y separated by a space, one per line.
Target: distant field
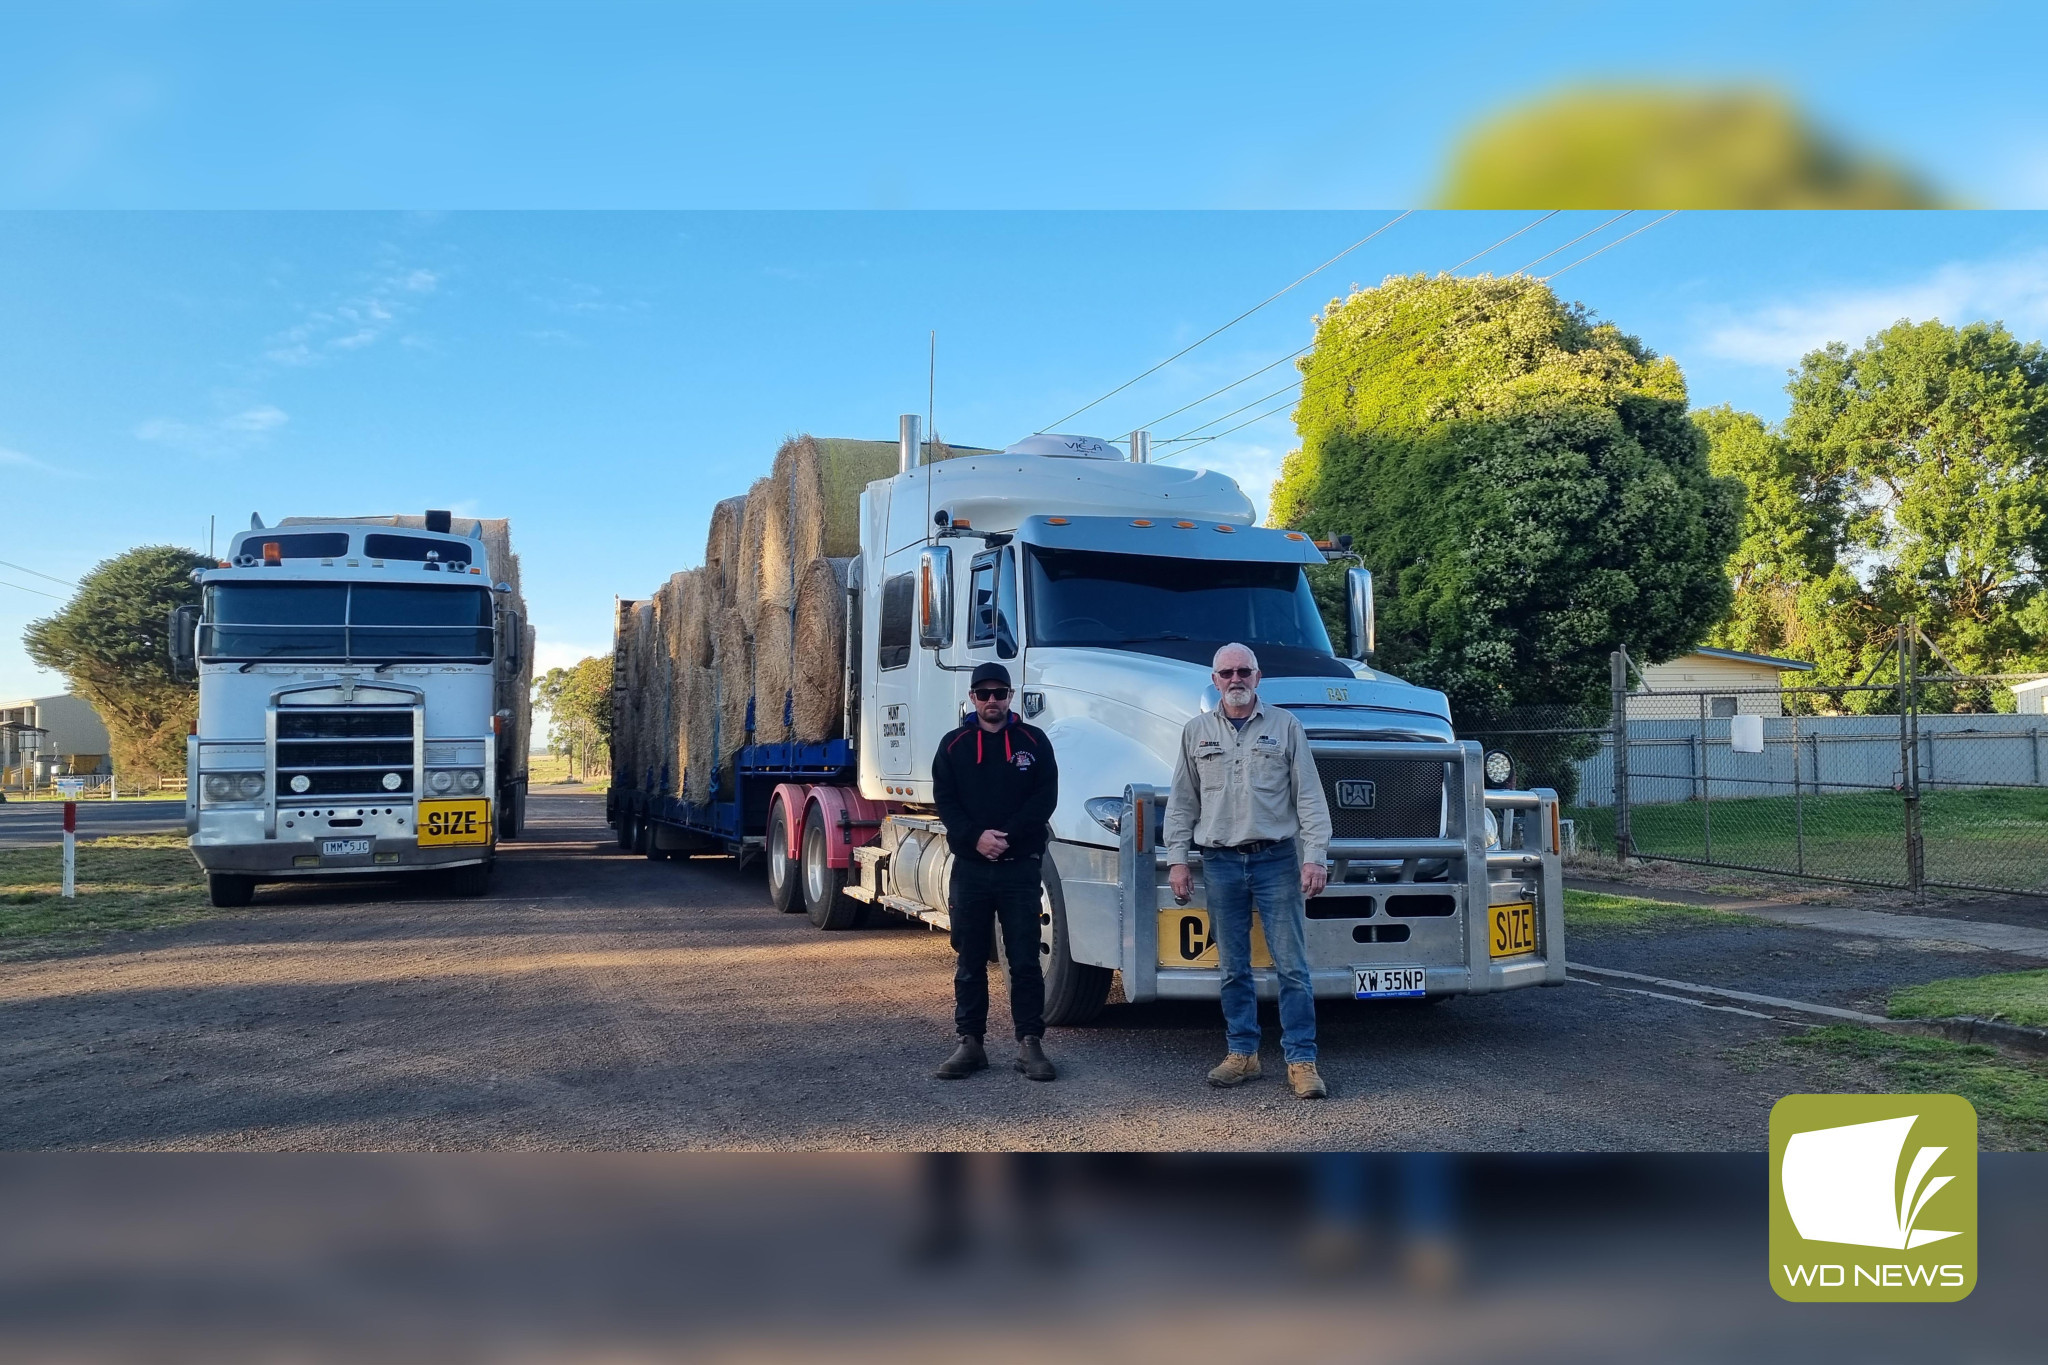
pixel 1982 837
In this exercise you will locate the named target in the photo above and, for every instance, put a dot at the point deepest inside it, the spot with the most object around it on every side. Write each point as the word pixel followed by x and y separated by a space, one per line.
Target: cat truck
pixel 363 707
pixel 1105 584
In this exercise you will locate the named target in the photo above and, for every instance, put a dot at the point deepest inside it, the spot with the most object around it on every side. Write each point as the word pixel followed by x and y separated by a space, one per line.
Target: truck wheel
pixel 228 890
pixel 625 830
pixel 643 835
pixel 1074 991
pixel 473 880
pixel 782 871
pixel 825 898
pixel 511 812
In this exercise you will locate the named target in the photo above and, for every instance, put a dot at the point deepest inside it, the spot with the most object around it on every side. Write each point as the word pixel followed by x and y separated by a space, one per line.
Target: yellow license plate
pixel 1511 929
pixel 1185 941
pixel 455 822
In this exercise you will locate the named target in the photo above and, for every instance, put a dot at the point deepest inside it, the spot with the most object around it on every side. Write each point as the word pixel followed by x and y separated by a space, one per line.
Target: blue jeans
pixel 1272 879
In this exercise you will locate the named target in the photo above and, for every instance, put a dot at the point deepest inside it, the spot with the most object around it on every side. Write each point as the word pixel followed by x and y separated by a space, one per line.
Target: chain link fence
pixel 1932 780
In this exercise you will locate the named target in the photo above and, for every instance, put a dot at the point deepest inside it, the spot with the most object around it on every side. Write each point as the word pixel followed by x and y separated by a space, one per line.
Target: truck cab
pixel 356 710
pixel 1105 586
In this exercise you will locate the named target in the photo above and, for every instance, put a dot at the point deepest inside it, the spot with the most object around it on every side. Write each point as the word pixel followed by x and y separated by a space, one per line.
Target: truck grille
pixel 344 752
pixel 1382 798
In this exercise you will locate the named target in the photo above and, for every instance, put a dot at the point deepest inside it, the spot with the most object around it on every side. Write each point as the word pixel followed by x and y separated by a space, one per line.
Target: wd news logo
pixel 1873 1198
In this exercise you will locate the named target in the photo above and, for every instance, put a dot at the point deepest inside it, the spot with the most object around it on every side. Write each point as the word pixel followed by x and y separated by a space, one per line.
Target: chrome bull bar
pixel 1463 845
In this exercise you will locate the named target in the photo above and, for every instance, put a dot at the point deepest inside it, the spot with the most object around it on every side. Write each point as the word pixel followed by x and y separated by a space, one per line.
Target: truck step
pixel 938 919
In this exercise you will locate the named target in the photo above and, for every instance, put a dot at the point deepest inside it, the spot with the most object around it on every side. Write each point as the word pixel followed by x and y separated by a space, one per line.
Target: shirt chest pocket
pixel 1268 767
pixel 1212 769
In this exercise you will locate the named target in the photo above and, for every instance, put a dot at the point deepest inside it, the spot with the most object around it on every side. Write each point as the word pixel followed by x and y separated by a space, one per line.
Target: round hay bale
pixel 818 670
pixel 660 674
pixel 700 709
pixel 798 467
pixel 773 650
pixel 776 584
pixel 765 517
pixel 643 748
pixel 735 679
pixel 846 468
pixel 693 625
pixel 722 549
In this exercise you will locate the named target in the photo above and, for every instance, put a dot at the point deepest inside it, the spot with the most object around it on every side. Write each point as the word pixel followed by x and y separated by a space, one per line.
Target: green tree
pixel 1523 481
pixel 1792 596
pixel 1939 436
pixel 579 706
pixel 1636 147
pixel 111 642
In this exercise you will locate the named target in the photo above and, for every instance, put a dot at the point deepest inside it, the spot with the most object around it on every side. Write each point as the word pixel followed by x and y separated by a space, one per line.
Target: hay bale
pixel 818 667
pixel 700 710
pixel 765 516
pixel 722 550
pixel 775 582
pixel 637 773
pixel 845 468
pixel 774 646
pixel 694 623
pixel 799 469
pixel 625 616
pixel 735 678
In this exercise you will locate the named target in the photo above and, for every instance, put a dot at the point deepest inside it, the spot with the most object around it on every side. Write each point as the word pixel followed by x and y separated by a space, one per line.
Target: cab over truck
pixel 1105 586
pixel 362 703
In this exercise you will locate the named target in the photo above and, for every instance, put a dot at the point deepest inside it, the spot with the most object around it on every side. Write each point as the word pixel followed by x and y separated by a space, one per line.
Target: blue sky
pixel 1194 104
pixel 602 378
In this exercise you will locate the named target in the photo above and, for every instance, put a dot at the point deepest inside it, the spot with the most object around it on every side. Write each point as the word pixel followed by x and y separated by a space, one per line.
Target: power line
pixel 1239 427
pixel 1609 247
pixel 1502 242
pixel 1234 321
pixel 37 591
pixel 1176 440
pixel 38 573
pixel 1576 240
pixel 1227 387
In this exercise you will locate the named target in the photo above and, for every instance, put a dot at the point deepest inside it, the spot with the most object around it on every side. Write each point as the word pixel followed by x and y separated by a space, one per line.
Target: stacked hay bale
pixel 762 622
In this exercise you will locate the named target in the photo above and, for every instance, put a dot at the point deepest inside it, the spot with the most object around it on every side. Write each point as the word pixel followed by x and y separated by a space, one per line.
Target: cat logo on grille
pixel 1355 793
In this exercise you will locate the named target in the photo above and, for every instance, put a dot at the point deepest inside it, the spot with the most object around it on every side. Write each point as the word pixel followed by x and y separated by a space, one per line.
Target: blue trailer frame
pixel 738 821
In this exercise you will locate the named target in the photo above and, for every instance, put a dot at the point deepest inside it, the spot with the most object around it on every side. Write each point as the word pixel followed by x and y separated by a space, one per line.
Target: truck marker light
pixel 1141 523
pixel 1055 521
pixel 1226 529
pixel 1185 525
pixel 1296 535
pixel 273 554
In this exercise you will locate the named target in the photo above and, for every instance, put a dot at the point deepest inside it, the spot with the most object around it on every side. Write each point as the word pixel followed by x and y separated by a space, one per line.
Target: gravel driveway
pixel 599 1000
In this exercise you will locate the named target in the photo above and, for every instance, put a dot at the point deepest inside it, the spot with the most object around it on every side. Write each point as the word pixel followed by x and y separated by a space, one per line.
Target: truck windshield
pixel 1179 608
pixel 354 623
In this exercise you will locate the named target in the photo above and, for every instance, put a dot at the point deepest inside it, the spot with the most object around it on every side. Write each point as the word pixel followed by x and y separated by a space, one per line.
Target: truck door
pixel 895 652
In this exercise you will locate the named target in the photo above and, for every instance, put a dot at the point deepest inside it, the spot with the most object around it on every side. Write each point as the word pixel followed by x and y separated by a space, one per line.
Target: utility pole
pixel 1909 758
pixel 1617 684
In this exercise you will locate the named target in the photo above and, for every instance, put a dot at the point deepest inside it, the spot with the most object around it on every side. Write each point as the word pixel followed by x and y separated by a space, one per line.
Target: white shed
pixel 1735 683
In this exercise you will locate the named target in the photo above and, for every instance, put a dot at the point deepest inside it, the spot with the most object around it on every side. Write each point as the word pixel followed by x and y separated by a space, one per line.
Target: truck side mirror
pixel 935 597
pixel 514 634
pixel 184 628
pixel 1359 627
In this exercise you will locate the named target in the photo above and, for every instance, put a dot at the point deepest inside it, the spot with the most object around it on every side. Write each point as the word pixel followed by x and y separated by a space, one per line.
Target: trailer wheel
pixel 643 835
pixel 782 872
pixel 1074 991
pixel 228 890
pixel 625 830
pixel 825 898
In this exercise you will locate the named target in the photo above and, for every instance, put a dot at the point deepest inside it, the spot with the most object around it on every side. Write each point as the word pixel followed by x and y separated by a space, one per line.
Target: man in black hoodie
pixel 995 784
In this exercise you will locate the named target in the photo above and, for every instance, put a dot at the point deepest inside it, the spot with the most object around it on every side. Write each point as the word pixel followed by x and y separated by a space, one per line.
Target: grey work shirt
pixel 1232 786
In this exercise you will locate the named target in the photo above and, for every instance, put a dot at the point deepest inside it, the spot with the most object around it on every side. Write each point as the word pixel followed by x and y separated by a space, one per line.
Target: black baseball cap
pixel 990 672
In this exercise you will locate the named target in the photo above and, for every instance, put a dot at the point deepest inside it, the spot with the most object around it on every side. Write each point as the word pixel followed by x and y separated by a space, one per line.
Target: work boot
pixel 967 1059
pixel 1031 1061
pixel 1235 1069
pixel 1305 1081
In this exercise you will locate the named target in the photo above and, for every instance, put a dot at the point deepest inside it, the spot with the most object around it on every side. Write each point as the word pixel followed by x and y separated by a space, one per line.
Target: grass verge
pixel 2010 997
pixel 124 881
pixel 1597 910
pixel 2009 1092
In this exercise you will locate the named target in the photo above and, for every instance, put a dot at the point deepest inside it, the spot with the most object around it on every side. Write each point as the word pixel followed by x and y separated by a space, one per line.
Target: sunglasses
pixel 1235 672
pixel 992 694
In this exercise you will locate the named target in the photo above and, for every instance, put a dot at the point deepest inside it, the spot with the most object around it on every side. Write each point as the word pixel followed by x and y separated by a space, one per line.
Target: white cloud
pixel 2013 291
pixel 16 459
pixel 351 323
pixel 225 435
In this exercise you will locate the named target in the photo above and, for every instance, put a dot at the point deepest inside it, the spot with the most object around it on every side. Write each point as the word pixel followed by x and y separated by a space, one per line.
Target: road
pixel 599 1000
pixel 42 822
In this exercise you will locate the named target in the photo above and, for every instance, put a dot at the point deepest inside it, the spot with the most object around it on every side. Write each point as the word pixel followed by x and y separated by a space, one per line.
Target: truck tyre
pixel 625 829
pixel 511 811
pixel 473 880
pixel 643 834
pixel 228 890
pixel 1074 991
pixel 824 886
pixel 782 869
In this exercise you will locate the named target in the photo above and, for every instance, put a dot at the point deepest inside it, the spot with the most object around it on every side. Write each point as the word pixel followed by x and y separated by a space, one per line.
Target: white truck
pixel 1105 585
pixel 362 702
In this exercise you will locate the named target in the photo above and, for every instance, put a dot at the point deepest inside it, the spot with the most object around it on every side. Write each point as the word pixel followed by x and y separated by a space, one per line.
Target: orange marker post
pixel 70 850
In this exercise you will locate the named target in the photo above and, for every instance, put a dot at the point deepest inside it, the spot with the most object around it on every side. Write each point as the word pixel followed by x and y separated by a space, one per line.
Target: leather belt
pixel 1248 847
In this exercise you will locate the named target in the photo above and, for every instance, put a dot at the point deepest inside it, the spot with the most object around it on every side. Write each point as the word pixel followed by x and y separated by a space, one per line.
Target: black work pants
pixel 984 894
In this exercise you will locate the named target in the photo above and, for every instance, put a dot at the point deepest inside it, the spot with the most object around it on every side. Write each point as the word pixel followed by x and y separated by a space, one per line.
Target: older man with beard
pixel 1246 793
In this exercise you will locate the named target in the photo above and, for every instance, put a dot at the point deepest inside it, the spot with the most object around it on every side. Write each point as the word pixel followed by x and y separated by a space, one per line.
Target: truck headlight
pixel 1499 769
pixel 1106 811
pixel 219 787
pixel 470 780
pixel 1492 831
pixel 249 786
pixel 441 781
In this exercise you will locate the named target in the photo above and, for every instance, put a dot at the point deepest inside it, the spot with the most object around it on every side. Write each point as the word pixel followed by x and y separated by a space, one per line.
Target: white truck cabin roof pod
pixel 999 492
pixel 331 545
